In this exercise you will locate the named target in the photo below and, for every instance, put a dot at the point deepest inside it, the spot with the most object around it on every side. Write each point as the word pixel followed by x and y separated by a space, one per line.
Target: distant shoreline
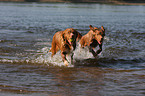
pixel 117 2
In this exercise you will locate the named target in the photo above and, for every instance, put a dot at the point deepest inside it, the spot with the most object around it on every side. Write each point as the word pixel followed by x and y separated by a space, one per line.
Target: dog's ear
pixel 63 35
pixel 102 28
pixel 91 27
pixel 79 36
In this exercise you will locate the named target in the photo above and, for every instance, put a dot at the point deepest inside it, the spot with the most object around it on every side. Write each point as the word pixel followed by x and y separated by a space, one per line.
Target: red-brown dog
pixel 66 42
pixel 93 38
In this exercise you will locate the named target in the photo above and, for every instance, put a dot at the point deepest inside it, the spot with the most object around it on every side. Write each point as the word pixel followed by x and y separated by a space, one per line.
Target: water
pixel 27 69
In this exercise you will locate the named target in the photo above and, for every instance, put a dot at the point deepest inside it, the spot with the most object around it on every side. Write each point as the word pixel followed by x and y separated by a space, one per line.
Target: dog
pixel 66 42
pixel 92 39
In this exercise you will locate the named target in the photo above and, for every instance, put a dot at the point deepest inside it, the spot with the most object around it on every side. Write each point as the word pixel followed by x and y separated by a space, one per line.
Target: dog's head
pixel 97 33
pixel 70 35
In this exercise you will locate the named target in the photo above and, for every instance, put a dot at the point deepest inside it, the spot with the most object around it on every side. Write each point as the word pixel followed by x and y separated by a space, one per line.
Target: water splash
pixel 56 60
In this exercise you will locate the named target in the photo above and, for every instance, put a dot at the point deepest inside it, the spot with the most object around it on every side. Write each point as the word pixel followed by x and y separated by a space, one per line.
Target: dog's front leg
pixel 98 51
pixel 72 58
pixel 92 51
pixel 63 55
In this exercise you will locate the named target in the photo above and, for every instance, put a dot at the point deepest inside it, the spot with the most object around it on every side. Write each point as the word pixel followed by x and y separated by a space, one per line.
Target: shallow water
pixel 27 69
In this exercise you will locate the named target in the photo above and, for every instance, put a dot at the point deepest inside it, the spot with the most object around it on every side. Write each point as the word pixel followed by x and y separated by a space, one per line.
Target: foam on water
pixel 56 60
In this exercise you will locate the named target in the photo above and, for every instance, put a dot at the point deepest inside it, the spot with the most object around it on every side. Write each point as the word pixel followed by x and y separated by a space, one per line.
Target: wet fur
pixel 93 38
pixel 61 42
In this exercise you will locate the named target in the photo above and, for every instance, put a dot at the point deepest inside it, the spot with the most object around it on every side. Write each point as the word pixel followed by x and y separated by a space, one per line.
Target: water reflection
pixel 76 81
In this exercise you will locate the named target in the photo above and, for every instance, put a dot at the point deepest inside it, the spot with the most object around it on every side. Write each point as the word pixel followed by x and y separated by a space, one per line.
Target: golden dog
pixel 93 38
pixel 66 42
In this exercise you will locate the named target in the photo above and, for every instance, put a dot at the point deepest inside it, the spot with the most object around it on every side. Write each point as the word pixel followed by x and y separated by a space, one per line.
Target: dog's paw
pixel 96 57
pixel 66 63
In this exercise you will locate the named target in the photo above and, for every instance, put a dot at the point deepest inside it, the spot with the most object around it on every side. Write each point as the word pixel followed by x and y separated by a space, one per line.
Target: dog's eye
pixel 100 33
